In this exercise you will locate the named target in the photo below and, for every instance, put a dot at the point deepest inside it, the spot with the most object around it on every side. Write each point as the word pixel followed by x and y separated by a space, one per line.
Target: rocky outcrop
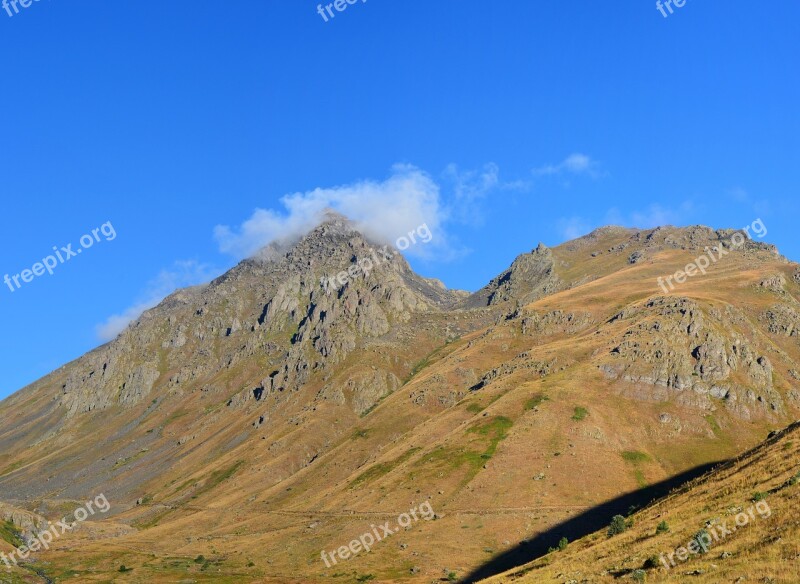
pixel 775 283
pixel 29 524
pixel 677 350
pixel 521 363
pixel 531 276
pixel 554 322
pixel 784 320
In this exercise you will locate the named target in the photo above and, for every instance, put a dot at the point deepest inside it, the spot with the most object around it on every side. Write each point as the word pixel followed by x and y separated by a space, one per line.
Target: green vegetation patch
pixel 11 468
pixel 10 534
pixel 217 477
pixel 714 425
pixel 535 401
pixel 496 429
pixel 635 457
pixel 382 468
pixel 488 431
pixel 580 413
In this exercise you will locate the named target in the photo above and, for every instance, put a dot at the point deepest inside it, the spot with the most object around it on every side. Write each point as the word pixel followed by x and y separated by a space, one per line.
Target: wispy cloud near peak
pixel 575 164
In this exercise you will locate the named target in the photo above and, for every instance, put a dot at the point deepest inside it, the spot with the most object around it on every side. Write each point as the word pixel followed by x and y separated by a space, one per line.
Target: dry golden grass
pixel 765 547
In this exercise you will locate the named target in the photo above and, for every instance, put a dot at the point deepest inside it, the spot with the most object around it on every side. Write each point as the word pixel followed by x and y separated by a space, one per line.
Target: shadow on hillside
pixel 587 522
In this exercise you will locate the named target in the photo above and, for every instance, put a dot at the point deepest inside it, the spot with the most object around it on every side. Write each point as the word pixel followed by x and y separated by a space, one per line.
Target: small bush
pixel 639 575
pixel 580 413
pixel 562 544
pixel 795 479
pixel 702 538
pixel 618 525
pixel 199 559
pixel 652 562
pixel 759 496
pixel 452 577
pixel 124 569
pixel 662 527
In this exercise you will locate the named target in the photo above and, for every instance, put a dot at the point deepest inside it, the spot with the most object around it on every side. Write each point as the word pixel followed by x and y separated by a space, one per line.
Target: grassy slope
pixel 765 548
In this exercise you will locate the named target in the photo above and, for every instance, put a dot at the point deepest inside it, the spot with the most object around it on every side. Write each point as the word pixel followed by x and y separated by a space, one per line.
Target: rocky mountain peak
pixel 300 306
pixel 531 276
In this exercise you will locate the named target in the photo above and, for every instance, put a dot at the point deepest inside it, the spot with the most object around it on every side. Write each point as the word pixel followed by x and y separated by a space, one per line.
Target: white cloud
pixel 181 274
pixel 381 210
pixel 470 185
pixel 575 163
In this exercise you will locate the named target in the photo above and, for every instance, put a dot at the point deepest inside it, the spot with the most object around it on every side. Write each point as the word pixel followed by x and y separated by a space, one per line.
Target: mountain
pixel 322 388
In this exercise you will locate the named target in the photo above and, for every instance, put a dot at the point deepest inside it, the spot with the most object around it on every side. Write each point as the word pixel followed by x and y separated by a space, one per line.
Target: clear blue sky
pixel 534 121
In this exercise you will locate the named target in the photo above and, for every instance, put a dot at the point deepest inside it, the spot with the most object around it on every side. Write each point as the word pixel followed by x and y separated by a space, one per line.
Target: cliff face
pixel 324 379
pixel 531 276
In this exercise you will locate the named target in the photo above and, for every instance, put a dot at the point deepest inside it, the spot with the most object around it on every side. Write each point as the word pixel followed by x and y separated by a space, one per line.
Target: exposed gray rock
pixel 636 257
pixel 775 283
pixel 531 276
pixel 555 322
pixel 29 524
pixel 783 319
pixel 675 350
pixel 521 362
